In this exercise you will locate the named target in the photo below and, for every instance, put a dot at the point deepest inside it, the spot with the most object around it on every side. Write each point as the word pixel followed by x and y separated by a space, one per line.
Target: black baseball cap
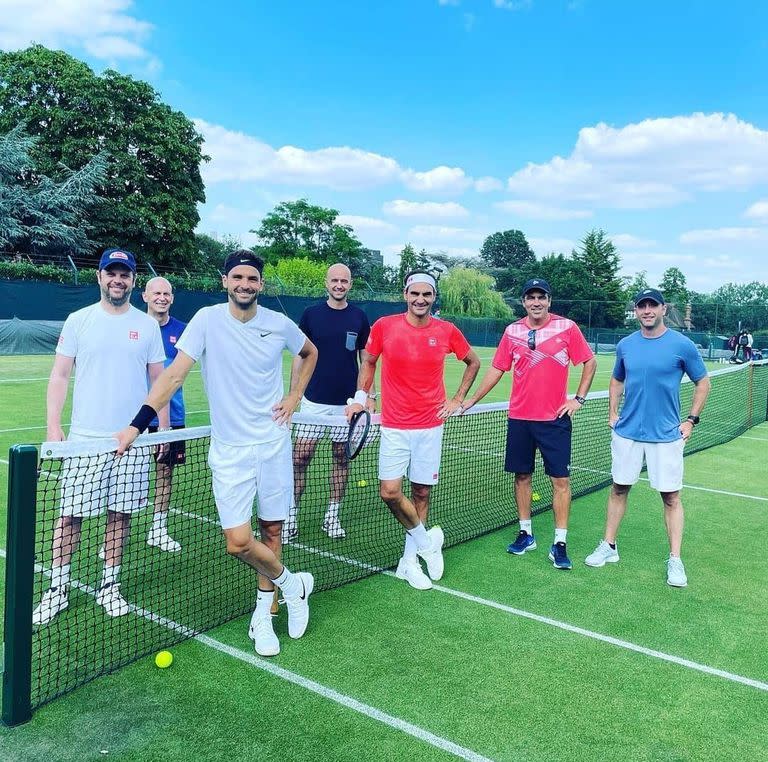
pixel 537 284
pixel 650 293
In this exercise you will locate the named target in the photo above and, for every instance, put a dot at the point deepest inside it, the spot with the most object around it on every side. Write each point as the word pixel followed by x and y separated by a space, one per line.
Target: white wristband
pixel 361 397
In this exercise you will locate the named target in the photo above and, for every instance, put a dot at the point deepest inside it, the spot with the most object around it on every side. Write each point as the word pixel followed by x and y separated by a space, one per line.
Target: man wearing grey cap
pixel 650 364
pixel 538 350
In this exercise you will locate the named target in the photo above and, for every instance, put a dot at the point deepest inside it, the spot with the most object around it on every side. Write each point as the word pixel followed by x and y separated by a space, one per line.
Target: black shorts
pixel 552 438
pixel 177 451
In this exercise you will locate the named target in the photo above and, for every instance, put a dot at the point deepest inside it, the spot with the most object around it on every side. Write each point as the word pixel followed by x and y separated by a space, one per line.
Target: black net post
pixel 19 580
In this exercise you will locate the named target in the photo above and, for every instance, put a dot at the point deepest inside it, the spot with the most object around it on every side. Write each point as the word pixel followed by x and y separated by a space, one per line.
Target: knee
pixel 671 500
pixel 390 494
pixel 621 490
pixel 420 492
pixel 523 480
pixel 237 546
pixel 561 486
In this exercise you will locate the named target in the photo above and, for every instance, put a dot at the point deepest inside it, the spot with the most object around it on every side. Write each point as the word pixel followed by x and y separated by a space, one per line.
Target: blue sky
pixel 438 122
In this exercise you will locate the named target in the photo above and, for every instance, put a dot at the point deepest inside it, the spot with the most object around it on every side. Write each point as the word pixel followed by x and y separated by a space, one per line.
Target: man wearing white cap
pixel 413 347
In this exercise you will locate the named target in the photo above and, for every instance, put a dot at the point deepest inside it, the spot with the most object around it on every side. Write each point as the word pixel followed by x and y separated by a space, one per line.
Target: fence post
pixel 74 267
pixel 19 582
pixel 152 269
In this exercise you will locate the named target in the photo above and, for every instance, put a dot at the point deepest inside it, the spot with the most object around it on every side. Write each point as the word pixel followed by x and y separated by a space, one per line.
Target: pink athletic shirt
pixel 413 362
pixel 540 377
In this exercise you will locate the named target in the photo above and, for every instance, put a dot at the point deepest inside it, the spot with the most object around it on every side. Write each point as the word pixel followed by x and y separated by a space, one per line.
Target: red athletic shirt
pixel 413 362
pixel 540 377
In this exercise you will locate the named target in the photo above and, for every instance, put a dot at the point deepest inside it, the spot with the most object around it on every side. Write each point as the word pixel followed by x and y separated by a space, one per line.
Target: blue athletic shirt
pixel 338 336
pixel 652 369
pixel 171 332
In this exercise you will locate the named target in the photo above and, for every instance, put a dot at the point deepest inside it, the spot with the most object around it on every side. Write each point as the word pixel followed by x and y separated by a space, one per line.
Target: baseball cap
pixel 117 257
pixel 537 284
pixel 649 293
pixel 243 257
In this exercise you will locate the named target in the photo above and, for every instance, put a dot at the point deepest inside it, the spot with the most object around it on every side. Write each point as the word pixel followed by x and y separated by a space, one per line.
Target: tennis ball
pixel 362 483
pixel 535 496
pixel 164 659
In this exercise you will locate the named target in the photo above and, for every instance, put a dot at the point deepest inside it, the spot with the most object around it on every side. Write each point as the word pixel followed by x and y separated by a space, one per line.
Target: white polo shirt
pixel 111 354
pixel 242 366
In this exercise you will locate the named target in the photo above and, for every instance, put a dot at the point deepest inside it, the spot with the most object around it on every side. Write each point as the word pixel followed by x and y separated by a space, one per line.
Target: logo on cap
pixel 118 255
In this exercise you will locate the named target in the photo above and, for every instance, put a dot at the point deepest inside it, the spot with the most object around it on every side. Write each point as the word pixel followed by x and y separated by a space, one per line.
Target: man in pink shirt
pixel 538 350
pixel 413 347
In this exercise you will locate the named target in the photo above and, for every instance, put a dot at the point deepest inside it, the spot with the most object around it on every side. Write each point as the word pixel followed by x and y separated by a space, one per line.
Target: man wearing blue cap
pixel 650 364
pixel 114 349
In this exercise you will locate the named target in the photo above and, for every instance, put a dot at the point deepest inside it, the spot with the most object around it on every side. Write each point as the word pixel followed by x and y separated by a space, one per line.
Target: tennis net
pixel 174 595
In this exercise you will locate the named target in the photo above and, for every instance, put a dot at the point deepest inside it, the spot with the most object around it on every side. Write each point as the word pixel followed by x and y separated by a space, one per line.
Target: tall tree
pixel 301 229
pixel 600 262
pixel 636 284
pixel 508 249
pixel 37 214
pixel 153 183
pixel 410 260
pixel 465 291
pixel 674 287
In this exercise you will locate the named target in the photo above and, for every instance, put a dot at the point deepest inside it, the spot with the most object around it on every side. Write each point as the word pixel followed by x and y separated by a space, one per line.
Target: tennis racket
pixel 359 426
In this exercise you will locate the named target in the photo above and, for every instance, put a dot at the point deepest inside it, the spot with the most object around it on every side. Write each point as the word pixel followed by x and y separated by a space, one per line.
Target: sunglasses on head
pixel 532 339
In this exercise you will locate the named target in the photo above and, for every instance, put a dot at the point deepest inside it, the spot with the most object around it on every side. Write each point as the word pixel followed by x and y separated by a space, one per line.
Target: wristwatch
pixel 580 400
pixel 694 419
pixel 373 395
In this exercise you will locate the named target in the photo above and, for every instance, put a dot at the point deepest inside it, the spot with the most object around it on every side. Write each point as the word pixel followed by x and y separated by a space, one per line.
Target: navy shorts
pixel 552 438
pixel 177 451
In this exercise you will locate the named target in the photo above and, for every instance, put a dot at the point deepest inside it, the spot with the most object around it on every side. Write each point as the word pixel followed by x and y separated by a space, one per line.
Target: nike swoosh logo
pixel 303 591
pixel 265 333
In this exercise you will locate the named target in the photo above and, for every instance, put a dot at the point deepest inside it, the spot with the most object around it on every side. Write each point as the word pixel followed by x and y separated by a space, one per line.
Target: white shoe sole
pixel 420 584
pixel 677 584
pixel 611 560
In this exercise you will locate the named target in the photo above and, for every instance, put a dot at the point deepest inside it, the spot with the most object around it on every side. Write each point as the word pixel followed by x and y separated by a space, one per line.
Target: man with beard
pixel 240 346
pixel 114 349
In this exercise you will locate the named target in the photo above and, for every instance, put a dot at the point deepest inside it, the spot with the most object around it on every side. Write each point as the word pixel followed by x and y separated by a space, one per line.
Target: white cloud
pixel 512 5
pixel 544 246
pixel 425 209
pixel 488 184
pixel 627 241
pixel 758 211
pixel 717 237
pixel 446 233
pixel 105 29
pixel 532 210
pixel 370 225
pixel 653 163
pixel 439 179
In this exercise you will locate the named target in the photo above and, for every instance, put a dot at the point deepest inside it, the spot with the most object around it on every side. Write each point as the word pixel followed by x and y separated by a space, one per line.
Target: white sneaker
pixel 298 607
pixel 603 554
pixel 111 601
pixel 410 570
pixel 333 528
pixel 263 636
pixel 290 530
pixel 434 555
pixel 53 602
pixel 102 553
pixel 159 538
pixel 676 573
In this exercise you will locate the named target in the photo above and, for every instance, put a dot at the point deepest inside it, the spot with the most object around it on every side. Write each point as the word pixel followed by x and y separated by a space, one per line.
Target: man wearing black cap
pixel 240 347
pixel 650 364
pixel 538 350
pixel 113 349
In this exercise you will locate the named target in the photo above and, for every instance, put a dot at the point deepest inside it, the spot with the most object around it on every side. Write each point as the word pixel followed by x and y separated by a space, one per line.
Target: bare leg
pixel 339 473
pixel 270 537
pixel 243 545
pixel 561 501
pixel 66 538
pixel 420 496
pixel 115 537
pixel 617 506
pixel 303 450
pixel 673 518
pixel 523 492
pixel 391 491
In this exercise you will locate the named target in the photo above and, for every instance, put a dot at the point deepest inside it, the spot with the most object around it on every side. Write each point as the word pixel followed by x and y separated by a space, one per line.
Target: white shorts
pixel 415 452
pixel 663 459
pixel 91 484
pixel 310 431
pixel 240 472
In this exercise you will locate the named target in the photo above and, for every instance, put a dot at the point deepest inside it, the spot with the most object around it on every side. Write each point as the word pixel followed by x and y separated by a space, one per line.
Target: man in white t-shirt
pixel 111 346
pixel 240 347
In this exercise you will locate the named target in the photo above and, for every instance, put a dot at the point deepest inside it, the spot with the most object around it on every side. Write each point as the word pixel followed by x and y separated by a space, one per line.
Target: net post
pixel 19 581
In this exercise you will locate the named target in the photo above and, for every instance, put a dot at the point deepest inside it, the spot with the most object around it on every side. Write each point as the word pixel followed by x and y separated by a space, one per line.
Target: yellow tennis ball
pixel 536 496
pixel 164 659
pixel 362 483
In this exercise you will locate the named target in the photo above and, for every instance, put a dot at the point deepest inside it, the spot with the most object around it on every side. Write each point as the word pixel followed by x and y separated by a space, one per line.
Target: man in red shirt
pixel 538 349
pixel 413 347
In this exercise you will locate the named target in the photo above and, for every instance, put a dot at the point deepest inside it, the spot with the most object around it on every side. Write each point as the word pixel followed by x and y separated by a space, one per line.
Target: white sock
pixel 420 537
pixel 526 525
pixel 160 523
pixel 289 583
pixel 560 535
pixel 60 575
pixel 410 547
pixel 110 574
pixel 332 514
pixel 264 602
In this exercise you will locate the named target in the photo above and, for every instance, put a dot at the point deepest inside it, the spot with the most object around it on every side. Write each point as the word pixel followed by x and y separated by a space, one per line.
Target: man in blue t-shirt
pixel 650 364
pixel 339 330
pixel 158 295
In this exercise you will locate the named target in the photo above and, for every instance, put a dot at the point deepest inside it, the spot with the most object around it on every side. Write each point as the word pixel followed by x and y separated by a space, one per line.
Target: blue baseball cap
pixel 537 284
pixel 117 257
pixel 652 294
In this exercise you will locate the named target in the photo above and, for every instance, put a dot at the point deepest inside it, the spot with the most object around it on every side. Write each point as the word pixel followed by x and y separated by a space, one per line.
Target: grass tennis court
pixel 490 664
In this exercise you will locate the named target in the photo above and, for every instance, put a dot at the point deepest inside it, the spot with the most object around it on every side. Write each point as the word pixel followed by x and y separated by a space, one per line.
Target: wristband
pixel 143 418
pixel 361 397
pixel 580 400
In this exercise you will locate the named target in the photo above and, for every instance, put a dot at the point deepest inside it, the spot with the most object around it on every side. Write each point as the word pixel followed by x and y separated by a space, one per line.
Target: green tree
pixel 506 250
pixel 301 229
pixel 636 284
pixel 296 275
pixel 465 291
pixel 674 287
pixel 37 214
pixel 411 260
pixel 600 261
pixel 152 187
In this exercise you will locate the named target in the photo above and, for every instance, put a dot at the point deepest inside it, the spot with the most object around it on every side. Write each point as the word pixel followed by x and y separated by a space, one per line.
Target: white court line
pixel 4 461
pixel 303 682
pixel 754 439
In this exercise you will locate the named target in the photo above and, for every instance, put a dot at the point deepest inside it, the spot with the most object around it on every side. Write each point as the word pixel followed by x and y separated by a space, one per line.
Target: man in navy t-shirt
pixel 650 364
pixel 339 330
pixel 158 295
